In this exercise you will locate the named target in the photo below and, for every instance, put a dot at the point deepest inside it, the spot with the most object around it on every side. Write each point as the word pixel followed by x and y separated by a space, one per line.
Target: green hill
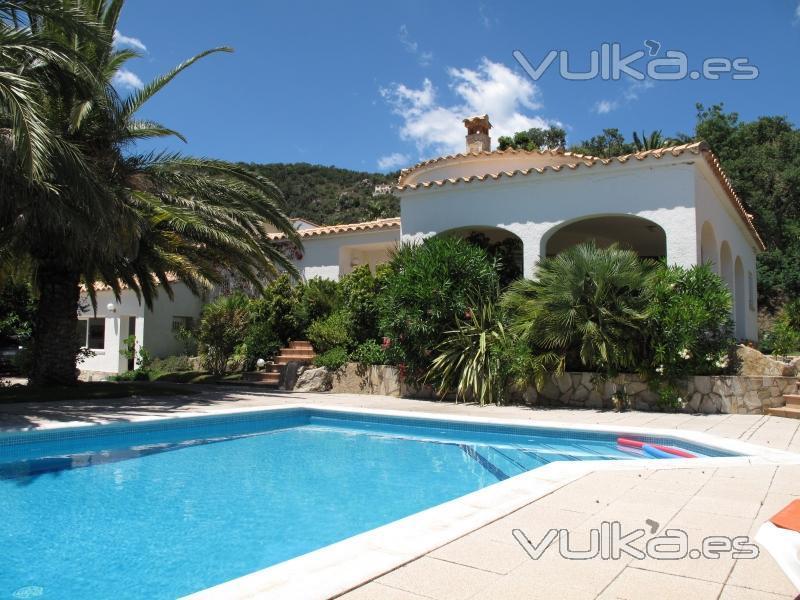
pixel 330 195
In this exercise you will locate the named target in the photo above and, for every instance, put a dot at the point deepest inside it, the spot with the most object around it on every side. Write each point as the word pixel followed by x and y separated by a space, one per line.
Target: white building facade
pixel 105 331
pixel 673 204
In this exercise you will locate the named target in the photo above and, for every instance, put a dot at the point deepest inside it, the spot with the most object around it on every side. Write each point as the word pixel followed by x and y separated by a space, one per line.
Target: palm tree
pixel 125 218
pixel 654 141
pixel 586 304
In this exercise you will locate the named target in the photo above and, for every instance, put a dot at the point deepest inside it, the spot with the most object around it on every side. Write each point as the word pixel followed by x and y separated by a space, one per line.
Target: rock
pixel 595 400
pixel 755 364
pixel 635 387
pixel 702 384
pixel 708 406
pixel 289 374
pixel 564 383
pixel 795 364
pixel 314 380
pixel 694 403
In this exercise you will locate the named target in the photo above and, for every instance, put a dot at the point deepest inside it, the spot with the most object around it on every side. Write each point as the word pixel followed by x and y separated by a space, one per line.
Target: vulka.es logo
pixel 610 543
pixel 609 63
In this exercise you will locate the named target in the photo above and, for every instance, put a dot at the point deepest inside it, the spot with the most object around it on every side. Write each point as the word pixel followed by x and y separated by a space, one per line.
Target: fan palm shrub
pixel 99 211
pixel 586 305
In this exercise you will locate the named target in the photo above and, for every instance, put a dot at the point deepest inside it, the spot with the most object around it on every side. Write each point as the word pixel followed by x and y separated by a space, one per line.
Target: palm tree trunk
pixel 55 346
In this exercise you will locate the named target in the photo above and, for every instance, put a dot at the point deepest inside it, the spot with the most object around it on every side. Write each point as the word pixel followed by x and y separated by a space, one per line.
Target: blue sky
pixel 378 85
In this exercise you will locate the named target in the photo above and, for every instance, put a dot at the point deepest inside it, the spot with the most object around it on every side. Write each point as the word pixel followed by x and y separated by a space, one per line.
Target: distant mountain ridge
pixel 330 195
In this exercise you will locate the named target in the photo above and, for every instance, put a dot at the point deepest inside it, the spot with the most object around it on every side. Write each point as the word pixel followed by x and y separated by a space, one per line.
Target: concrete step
pixel 789 412
pixel 792 399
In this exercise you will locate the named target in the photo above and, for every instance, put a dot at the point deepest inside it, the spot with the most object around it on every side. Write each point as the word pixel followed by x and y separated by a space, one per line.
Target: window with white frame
pixel 92 333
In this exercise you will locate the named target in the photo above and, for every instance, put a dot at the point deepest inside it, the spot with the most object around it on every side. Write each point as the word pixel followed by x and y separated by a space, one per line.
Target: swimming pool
pixel 165 508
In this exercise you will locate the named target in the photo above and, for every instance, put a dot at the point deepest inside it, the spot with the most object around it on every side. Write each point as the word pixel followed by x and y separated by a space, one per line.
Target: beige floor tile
pixel 761 574
pixel 480 551
pixel 730 592
pixel 377 591
pixel 786 480
pixel 637 584
pixel 554 577
pixel 439 579
pixel 731 506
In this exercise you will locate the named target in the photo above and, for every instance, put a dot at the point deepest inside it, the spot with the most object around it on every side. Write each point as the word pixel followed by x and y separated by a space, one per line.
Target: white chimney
pixel 478 139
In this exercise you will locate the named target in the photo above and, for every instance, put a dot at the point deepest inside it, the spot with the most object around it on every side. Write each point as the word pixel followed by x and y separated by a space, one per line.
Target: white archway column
pixel 678 225
pixel 531 235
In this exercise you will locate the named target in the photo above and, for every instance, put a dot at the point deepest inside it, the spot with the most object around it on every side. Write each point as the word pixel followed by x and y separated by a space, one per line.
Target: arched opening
pixel 499 243
pixel 739 300
pixel 643 236
pixel 709 250
pixel 726 265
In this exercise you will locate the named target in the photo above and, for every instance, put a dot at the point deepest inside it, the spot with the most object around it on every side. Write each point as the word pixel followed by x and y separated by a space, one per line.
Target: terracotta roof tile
pixel 344 228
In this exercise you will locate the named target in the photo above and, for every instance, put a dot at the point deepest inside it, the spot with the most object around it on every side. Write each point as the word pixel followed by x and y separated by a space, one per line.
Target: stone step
pixel 261 377
pixel 301 344
pixel 284 360
pixel 789 412
pixel 792 399
pixel 298 352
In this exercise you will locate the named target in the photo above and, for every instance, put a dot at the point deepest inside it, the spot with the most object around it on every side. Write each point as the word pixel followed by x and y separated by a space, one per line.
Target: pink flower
pixel 386 343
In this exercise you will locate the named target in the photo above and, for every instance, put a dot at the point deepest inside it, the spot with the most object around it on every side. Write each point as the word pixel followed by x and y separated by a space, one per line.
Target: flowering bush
pixel 689 329
pixel 426 288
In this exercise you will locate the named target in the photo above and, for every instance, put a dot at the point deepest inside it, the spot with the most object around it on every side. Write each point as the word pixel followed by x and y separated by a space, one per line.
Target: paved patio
pixel 488 563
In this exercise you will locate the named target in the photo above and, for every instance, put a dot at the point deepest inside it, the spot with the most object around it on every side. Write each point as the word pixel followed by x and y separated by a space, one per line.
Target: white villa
pixel 673 203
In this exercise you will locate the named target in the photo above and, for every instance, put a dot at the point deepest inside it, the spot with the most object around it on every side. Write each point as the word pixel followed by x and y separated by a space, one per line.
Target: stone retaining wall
pixel 703 394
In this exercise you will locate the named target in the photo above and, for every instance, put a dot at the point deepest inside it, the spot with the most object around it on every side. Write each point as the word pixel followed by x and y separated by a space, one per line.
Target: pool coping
pixel 340 567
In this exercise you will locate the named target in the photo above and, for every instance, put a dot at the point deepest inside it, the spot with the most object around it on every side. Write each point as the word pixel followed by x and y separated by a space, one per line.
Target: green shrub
pixel 223 326
pixel 359 291
pixel 369 353
pixel 318 298
pixel 426 288
pixel 331 332
pixel 784 336
pixel 480 360
pixel 689 327
pixel 275 319
pixel 171 364
pixel 584 310
pixel 332 359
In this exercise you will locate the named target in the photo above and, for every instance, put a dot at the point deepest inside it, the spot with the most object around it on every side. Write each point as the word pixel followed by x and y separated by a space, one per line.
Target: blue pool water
pixel 161 510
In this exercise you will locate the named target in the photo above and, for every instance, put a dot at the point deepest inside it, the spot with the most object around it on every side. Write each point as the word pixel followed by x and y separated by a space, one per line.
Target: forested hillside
pixel 330 195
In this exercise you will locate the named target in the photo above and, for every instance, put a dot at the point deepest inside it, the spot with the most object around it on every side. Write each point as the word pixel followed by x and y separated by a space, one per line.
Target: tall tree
pixel 120 217
pixel 762 158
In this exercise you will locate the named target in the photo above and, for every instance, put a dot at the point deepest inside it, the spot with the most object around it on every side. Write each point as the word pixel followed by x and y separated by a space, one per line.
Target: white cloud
pixel 796 14
pixel 492 88
pixel 605 106
pixel 486 18
pixel 393 161
pixel 123 41
pixel 127 79
pixel 412 47
pixel 629 94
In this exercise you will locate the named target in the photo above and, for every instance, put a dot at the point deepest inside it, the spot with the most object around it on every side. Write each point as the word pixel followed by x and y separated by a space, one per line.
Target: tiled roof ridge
pixel 696 148
pixel 343 228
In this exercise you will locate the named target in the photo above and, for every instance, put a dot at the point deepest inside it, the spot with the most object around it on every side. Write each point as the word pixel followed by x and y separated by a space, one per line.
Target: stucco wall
pixel 153 328
pixel 715 208
pixel 329 256
pixel 534 206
